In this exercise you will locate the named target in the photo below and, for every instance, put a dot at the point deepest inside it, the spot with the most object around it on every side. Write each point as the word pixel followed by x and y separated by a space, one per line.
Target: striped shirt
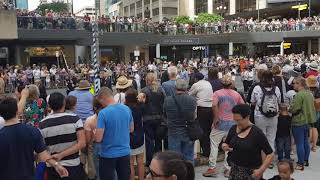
pixel 60 133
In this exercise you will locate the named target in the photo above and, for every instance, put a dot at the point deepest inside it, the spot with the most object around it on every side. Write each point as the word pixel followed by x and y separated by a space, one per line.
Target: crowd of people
pixel 51 20
pixel 151 116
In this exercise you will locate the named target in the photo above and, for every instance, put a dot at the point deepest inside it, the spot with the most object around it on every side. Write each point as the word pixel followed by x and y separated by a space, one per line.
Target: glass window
pixel 146 2
pixel 139 15
pixel 201 6
pixel 139 4
pixel 245 5
pixel 131 7
pixel 155 12
pixel 170 10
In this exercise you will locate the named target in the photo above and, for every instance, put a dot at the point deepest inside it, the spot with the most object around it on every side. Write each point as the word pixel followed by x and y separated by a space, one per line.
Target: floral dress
pixel 35 111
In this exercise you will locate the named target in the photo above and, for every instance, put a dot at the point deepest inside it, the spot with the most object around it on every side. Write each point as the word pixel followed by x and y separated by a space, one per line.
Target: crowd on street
pixel 52 20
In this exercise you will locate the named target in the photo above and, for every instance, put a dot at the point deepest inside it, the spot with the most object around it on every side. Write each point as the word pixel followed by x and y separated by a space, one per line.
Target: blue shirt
pixel 18 142
pixel 115 120
pixel 84 107
pixel 169 87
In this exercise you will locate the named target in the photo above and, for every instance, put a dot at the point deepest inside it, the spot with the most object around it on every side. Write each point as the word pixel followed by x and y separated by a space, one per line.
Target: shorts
pixel 137 151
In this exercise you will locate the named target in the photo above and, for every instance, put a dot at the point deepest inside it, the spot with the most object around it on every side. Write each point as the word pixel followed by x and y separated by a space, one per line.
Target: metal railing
pixel 69 23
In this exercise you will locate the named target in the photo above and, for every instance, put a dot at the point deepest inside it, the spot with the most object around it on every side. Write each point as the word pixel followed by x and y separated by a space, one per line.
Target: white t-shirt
pixel 120 98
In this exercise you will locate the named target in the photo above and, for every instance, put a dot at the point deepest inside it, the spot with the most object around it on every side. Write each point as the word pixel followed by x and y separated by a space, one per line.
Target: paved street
pixel 310 173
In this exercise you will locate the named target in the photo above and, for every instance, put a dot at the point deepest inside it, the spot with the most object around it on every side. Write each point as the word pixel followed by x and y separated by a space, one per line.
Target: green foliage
pixel 207 18
pixel 182 20
pixel 55 7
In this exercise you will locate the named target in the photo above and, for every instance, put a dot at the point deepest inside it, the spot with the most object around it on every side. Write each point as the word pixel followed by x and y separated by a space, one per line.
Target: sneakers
pixel 211 172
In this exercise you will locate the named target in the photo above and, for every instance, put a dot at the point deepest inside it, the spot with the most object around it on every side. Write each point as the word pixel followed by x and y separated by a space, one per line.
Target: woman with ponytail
pixel 170 165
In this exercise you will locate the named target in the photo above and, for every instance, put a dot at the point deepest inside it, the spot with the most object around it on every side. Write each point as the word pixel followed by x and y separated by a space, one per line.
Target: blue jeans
pixel 182 145
pixel 96 151
pixel 283 145
pixel 300 135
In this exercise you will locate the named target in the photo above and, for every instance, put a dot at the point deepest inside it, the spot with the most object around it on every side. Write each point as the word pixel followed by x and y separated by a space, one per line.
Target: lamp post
pixel 57 56
pixel 309 8
pixel 258 10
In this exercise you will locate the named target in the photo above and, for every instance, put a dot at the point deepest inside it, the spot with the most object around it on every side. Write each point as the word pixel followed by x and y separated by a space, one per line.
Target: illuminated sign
pixel 198 48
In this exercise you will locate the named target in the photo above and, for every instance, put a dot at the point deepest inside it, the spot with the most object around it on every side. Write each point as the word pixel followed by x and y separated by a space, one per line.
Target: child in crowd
pixel 285 169
pixel 71 102
pixel 283 137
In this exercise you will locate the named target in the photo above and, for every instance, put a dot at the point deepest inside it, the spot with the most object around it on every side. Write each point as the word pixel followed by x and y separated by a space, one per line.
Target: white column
pixel 232 7
pixel 230 48
pixel 158 51
pixel 281 48
pixel 160 11
pixel 135 9
pixel 18 55
pixel 210 6
pixel 309 47
pixel 142 1
pixel 191 9
pixel 150 8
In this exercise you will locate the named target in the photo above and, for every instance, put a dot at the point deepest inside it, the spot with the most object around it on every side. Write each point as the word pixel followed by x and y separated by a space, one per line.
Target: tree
pixel 182 20
pixel 207 18
pixel 55 7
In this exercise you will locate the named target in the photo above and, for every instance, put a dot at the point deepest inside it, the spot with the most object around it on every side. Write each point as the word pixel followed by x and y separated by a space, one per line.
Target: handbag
pixel 193 127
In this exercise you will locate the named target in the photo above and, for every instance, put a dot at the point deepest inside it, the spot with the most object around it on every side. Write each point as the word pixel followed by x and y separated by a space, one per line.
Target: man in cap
pixel 84 99
pixel 223 101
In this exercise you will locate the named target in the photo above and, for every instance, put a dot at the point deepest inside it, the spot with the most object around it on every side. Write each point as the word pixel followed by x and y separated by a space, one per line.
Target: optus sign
pixel 198 48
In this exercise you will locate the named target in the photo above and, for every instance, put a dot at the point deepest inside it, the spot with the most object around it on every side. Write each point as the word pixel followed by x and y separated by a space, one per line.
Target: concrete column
pixel 309 47
pixel 230 48
pixel 232 8
pixel 158 50
pixel 17 55
pixel 319 46
pixel 160 11
pixel 281 48
pixel 191 9
pixel 150 8
pixel 210 6
pixel 135 9
pixel 142 1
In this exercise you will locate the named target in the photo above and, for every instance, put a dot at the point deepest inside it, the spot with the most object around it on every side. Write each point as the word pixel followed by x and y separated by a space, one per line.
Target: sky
pixel 78 4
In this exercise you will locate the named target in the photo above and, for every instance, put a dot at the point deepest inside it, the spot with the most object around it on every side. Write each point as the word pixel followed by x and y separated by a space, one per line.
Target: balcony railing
pixel 69 23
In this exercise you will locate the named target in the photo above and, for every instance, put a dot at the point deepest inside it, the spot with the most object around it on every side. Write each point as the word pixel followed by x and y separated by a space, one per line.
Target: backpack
pixel 269 103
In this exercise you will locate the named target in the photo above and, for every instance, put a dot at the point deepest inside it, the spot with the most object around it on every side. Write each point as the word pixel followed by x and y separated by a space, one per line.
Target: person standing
pixel 202 91
pixel 84 107
pixel 223 101
pixel 244 145
pixel 266 98
pixel 303 114
pixel 169 87
pixel 114 125
pixel 152 117
pixel 18 144
pixel 179 110
pixel 64 135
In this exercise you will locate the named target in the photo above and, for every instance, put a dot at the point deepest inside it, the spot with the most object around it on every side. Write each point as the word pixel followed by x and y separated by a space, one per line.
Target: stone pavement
pixel 310 173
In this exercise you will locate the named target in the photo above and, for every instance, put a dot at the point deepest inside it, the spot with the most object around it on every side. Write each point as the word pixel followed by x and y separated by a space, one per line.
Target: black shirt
pixel 18 143
pixel 284 125
pixel 277 177
pixel 247 151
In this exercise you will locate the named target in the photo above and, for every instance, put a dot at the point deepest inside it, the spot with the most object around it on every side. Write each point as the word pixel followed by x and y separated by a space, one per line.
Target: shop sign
pixel 183 41
pixel 198 48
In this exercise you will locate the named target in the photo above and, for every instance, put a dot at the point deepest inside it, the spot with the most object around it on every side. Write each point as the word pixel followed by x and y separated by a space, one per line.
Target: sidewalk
pixel 309 173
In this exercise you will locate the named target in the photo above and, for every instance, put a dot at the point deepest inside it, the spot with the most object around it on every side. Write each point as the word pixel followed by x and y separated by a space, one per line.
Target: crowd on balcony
pixel 52 20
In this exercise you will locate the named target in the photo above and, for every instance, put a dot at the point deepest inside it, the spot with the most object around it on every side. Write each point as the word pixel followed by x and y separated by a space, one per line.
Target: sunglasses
pixel 155 175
